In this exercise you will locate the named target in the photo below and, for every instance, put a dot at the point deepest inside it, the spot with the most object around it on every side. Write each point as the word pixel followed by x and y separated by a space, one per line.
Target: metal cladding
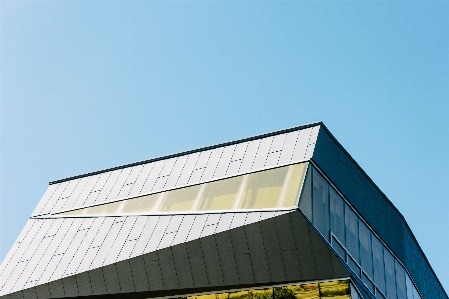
pixel 253 213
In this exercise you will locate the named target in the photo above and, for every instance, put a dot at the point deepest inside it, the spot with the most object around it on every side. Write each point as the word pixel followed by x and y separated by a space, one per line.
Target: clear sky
pixel 87 85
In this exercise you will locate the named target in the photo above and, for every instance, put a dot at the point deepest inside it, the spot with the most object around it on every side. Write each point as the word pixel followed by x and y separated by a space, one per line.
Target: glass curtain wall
pixel 353 240
pixel 276 188
pixel 338 289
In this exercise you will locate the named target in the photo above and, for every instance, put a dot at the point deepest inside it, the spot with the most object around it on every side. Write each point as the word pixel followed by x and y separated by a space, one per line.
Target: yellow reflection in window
pixel 335 289
pixel 142 204
pixel 110 208
pixel 292 185
pixel 220 195
pixel 179 200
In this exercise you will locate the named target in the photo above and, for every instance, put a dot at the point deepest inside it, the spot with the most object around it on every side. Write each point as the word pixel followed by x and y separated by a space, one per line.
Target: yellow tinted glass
pixel 179 200
pixel 292 185
pixel 106 209
pixel 220 195
pixel 142 204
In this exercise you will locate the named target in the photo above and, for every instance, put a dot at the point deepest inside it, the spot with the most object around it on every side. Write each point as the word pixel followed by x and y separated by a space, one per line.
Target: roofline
pixel 283 131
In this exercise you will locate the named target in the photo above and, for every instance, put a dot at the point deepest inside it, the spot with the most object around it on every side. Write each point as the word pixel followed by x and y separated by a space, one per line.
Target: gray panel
pixel 106 246
pixel 182 265
pixel 70 287
pixel 145 236
pixel 133 236
pixel 168 270
pixel 238 220
pixel 82 182
pixel 302 143
pixel 176 172
pixel 83 281
pixel 262 153
pixel 237 158
pixel 273 250
pixel 241 255
pixel 81 254
pixel 152 177
pixel 197 227
pixel 275 151
pixel 65 198
pixel 119 242
pixel 187 170
pixel 184 229
pixel 56 289
pixel 209 171
pixel 129 183
pixel 140 181
pixel 266 215
pixel 111 279
pixel 225 222
pixel 199 167
pixel 118 185
pixel 250 154
pixel 288 147
pixel 211 224
pixel 153 271
pixel 125 277
pixel 102 194
pixel 197 266
pixel 212 262
pixel 43 291
pixel 257 253
pixel 225 159
pixel 288 247
pixel 97 281
pixel 139 274
pixel 29 294
pixel 171 231
pixel 158 233
pixel 322 255
pixel 83 197
pixel 53 198
pixel 226 255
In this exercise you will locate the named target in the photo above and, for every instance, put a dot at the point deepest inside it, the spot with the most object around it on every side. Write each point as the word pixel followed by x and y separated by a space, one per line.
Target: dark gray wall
pixel 376 209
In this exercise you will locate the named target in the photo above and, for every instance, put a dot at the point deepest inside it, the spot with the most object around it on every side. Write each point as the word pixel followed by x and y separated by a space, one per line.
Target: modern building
pixel 282 215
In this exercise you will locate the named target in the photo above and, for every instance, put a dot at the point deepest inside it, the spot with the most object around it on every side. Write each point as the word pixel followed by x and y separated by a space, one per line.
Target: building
pixel 282 215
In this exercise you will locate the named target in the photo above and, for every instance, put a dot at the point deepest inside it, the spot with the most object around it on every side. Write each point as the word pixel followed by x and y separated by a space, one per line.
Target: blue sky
pixel 87 85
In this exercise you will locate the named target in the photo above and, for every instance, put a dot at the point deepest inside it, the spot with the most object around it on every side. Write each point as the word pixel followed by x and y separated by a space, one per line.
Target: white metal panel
pixel 119 242
pixel 211 166
pixel 54 198
pixel 158 233
pixel 76 193
pixel 203 159
pixel 8 286
pixel 301 146
pixel 266 215
pixel 152 177
pixel 262 153
pixel 133 236
pixel 186 172
pixel 90 193
pixel 197 227
pixel 199 167
pixel 50 269
pixel 70 260
pixel 103 192
pixel 83 196
pixel 66 198
pixel 22 249
pixel 278 213
pixel 95 245
pixel 150 225
pixel 225 222
pixel 19 242
pixel 176 172
pixel 275 151
pixel 105 247
pixel 45 198
pixel 312 141
pixel 98 188
pixel 237 158
pixel 184 229
pixel 82 258
pixel 119 184
pixel 252 217
pixel 159 185
pixel 140 181
pixel 288 147
pixel 225 159
pixel 238 220
pixel 211 224
pixel 171 231
pixel 29 277
pixel 129 183
pixel 250 154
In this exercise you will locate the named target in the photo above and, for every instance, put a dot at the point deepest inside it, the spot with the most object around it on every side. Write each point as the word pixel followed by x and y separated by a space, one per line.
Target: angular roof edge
pixel 283 131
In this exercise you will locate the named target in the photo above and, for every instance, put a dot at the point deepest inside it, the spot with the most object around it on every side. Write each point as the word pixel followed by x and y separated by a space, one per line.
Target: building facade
pixel 282 215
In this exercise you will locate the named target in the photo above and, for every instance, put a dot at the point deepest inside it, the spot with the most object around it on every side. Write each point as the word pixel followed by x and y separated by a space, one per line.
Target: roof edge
pixel 283 131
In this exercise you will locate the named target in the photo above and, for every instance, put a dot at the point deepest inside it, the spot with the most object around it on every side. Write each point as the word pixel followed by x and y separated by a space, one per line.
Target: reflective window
pixel 390 277
pixel 305 204
pixel 337 218
pixel 269 189
pixel 366 255
pixel 320 207
pixel 400 280
pixel 352 232
pixel 378 263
